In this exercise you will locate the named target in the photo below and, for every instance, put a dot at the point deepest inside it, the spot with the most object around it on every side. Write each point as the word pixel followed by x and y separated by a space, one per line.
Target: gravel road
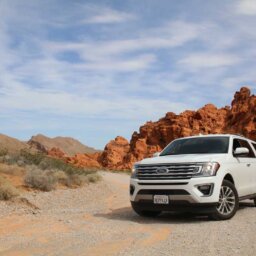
pixel 98 220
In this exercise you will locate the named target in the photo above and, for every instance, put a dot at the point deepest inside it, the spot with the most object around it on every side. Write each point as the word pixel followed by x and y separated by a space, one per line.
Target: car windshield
pixel 198 145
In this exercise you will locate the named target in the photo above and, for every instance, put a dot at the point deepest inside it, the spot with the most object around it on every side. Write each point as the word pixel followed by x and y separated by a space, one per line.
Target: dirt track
pixel 98 220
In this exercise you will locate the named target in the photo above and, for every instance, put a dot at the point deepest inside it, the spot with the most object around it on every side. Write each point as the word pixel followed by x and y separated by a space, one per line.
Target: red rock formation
pixel 56 152
pixel 154 136
pixel 79 160
pixel 114 153
pixel 242 116
pixel 84 160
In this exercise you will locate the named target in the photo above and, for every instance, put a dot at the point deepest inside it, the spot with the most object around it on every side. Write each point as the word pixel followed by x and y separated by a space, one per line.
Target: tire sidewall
pixel 219 216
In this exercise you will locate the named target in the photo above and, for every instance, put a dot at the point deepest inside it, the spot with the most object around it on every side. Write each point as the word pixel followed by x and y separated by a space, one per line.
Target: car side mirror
pixel 156 154
pixel 241 152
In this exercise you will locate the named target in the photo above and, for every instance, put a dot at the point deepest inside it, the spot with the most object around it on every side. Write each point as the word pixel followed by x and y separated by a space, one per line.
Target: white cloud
pixel 113 54
pixel 246 7
pixel 170 35
pixel 197 61
pixel 106 15
pixel 66 104
pixel 128 64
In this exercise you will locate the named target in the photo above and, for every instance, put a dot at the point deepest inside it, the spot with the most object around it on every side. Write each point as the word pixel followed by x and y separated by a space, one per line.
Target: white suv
pixel 208 174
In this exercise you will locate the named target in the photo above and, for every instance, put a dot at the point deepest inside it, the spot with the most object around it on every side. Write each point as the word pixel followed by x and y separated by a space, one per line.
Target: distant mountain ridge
pixel 11 144
pixel 68 145
pixel 44 144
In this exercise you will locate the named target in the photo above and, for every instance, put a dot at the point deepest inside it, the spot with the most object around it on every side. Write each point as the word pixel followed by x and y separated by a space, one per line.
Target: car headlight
pixel 209 169
pixel 134 172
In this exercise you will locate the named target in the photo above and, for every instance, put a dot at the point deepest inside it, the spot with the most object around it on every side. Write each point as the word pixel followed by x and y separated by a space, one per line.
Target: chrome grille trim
pixel 168 171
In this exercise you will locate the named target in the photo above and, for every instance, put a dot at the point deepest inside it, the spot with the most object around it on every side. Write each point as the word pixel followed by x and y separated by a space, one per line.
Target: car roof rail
pixel 240 135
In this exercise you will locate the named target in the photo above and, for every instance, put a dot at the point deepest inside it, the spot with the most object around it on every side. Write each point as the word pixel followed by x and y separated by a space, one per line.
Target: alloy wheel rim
pixel 227 201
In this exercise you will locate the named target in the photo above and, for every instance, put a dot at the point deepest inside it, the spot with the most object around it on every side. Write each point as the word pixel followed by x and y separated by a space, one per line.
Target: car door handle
pixel 248 165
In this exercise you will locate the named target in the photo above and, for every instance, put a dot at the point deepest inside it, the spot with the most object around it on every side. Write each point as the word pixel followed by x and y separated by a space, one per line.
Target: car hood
pixel 184 159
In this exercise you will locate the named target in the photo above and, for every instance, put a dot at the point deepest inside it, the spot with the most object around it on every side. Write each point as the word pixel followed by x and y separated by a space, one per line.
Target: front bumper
pixel 180 192
pixel 176 206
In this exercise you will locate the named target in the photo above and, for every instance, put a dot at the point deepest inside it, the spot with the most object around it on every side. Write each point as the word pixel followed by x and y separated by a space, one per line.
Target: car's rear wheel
pixel 145 213
pixel 228 202
pixel 254 202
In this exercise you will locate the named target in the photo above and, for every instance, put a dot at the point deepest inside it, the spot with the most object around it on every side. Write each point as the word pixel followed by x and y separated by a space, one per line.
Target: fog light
pixel 132 188
pixel 205 189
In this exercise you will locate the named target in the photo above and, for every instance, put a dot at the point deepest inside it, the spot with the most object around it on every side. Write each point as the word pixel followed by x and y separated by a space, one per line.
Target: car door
pixel 254 169
pixel 244 169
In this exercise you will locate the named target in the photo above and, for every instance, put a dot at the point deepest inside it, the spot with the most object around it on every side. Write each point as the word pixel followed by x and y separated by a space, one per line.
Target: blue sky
pixel 97 69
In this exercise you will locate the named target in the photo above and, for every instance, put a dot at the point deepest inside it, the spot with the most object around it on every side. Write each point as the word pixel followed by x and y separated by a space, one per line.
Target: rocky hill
pixel 239 118
pixel 67 145
pixel 12 145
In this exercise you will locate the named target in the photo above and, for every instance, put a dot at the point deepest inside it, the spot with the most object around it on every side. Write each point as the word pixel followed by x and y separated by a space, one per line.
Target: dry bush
pixel 3 151
pixel 61 177
pixel 93 177
pixel 76 180
pixel 39 179
pixel 7 190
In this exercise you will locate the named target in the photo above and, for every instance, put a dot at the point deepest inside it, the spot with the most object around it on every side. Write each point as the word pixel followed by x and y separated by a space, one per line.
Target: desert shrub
pixel 7 190
pixel 31 158
pixel 39 179
pixel 93 177
pixel 76 180
pixel 3 151
pixel 44 172
pixel 48 163
pixel 61 177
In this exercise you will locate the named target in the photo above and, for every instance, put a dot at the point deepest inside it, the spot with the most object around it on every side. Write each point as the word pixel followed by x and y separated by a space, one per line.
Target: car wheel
pixel 228 202
pixel 254 202
pixel 145 213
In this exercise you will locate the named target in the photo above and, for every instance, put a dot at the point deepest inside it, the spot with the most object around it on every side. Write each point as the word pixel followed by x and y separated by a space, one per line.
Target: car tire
pixel 145 213
pixel 228 202
pixel 254 202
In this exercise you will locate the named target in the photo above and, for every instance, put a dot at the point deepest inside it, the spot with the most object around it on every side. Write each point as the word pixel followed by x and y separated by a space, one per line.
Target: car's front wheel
pixel 228 202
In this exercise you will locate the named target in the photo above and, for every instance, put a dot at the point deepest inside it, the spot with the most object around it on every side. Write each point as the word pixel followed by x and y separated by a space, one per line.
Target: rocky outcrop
pixel 114 153
pixel 84 160
pixel 79 160
pixel 240 118
pixel 56 152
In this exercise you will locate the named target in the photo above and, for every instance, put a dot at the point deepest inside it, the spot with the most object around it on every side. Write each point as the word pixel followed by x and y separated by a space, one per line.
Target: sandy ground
pixel 98 220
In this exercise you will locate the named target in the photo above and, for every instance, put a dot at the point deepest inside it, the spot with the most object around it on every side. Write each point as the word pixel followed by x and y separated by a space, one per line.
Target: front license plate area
pixel 161 199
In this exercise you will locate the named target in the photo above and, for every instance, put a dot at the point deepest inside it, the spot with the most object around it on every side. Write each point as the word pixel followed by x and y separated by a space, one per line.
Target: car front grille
pixel 167 171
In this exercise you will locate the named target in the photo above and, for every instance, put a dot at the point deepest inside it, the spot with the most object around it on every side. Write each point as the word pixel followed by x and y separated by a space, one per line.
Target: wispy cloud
pixel 246 7
pixel 115 54
pixel 106 15
pixel 199 61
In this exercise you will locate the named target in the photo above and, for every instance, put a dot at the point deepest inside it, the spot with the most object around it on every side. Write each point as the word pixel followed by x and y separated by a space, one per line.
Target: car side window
pixel 243 143
pixel 236 144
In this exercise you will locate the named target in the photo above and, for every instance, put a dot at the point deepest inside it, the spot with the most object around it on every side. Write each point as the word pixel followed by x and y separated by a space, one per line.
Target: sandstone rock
pixel 56 152
pixel 154 136
pixel 114 153
pixel 84 160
